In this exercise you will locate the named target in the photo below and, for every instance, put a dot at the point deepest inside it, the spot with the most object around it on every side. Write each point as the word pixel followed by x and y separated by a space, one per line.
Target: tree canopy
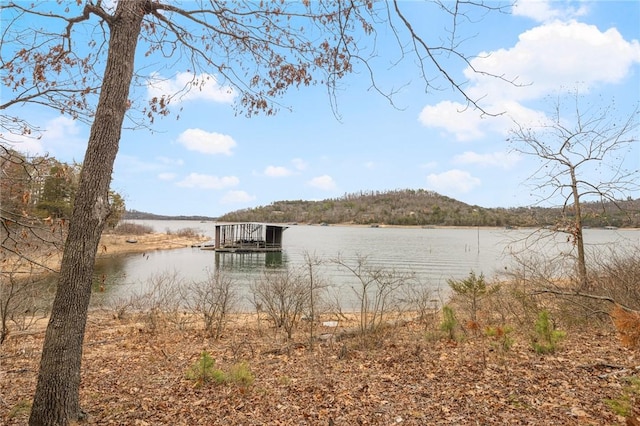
pixel 251 51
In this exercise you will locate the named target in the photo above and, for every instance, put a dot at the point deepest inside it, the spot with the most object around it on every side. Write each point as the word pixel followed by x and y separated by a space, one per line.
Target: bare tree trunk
pixel 578 234
pixel 56 400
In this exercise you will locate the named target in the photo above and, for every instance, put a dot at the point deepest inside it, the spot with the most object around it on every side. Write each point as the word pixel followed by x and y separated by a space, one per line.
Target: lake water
pixel 432 254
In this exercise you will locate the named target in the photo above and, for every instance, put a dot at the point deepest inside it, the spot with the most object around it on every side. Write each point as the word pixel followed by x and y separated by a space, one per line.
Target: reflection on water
pixel 434 255
pixel 248 262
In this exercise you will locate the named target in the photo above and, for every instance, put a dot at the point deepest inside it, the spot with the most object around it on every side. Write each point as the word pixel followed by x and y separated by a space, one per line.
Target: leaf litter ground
pixel 134 375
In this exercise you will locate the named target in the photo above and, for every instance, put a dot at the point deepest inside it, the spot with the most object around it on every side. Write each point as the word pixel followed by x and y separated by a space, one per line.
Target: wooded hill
pixel 428 208
pixel 138 215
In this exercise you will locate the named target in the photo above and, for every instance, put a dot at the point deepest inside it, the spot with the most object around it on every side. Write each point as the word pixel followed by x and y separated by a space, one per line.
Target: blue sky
pixel 212 161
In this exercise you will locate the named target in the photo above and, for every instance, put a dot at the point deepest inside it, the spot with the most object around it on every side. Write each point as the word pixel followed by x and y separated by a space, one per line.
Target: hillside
pixel 428 208
pixel 137 215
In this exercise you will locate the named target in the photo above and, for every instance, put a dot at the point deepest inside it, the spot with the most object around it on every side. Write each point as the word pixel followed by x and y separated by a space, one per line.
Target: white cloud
pixel 551 56
pixel 453 117
pixel 429 165
pixel 453 180
pixel 206 142
pixel 370 165
pixel 504 160
pixel 545 10
pixel 186 86
pixel 236 197
pixel 277 171
pixel 60 137
pixel 167 176
pixel 197 180
pixel 546 59
pixel 469 125
pixel 25 144
pixel 299 164
pixel 324 182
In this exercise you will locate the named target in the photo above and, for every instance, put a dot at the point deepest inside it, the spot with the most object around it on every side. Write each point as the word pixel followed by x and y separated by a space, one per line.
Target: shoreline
pixel 113 245
pixel 110 245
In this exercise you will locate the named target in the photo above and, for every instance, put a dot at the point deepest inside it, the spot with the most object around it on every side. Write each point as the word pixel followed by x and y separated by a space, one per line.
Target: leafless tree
pixel 256 49
pixel 577 143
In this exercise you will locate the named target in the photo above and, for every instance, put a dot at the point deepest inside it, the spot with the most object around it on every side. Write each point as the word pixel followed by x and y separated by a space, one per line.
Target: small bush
pixel 501 336
pixel 203 371
pixel 449 322
pixel 547 338
pixel 624 404
pixel 472 290
pixel 240 374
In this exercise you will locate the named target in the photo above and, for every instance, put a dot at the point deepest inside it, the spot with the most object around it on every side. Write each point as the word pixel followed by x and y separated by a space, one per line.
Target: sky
pixel 212 161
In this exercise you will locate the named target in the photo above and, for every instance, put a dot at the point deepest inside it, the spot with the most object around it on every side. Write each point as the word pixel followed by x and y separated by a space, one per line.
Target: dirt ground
pixel 135 374
pixel 118 244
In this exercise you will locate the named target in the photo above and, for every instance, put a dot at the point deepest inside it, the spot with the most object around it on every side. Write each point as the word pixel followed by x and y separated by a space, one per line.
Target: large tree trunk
pixel 56 400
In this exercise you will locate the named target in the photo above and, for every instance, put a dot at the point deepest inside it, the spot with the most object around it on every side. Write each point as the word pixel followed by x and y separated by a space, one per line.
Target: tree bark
pixel 578 234
pixel 56 400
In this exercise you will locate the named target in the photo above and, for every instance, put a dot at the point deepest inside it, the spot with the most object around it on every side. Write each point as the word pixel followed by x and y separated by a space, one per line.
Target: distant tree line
pixel 138 215
pixel 420 207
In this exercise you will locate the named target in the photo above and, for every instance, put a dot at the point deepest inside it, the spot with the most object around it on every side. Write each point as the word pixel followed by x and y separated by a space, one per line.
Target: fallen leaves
pixel 138 378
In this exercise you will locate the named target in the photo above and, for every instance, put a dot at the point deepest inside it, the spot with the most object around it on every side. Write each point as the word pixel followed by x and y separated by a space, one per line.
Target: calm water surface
pixel 433 254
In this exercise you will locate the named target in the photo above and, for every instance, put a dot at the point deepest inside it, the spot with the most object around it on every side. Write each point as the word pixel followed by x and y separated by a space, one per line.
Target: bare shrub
pixel 283 295
pixel 616 276
pixel 214 299
pixel 185 232
pixel 164 300
pixel 612 280
pixel 377 290
pixel 628 326
pixel 519 299
pixel 420 298
pixel 128 228
pixel 23 301
pixel 121 305
pixel 315 284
